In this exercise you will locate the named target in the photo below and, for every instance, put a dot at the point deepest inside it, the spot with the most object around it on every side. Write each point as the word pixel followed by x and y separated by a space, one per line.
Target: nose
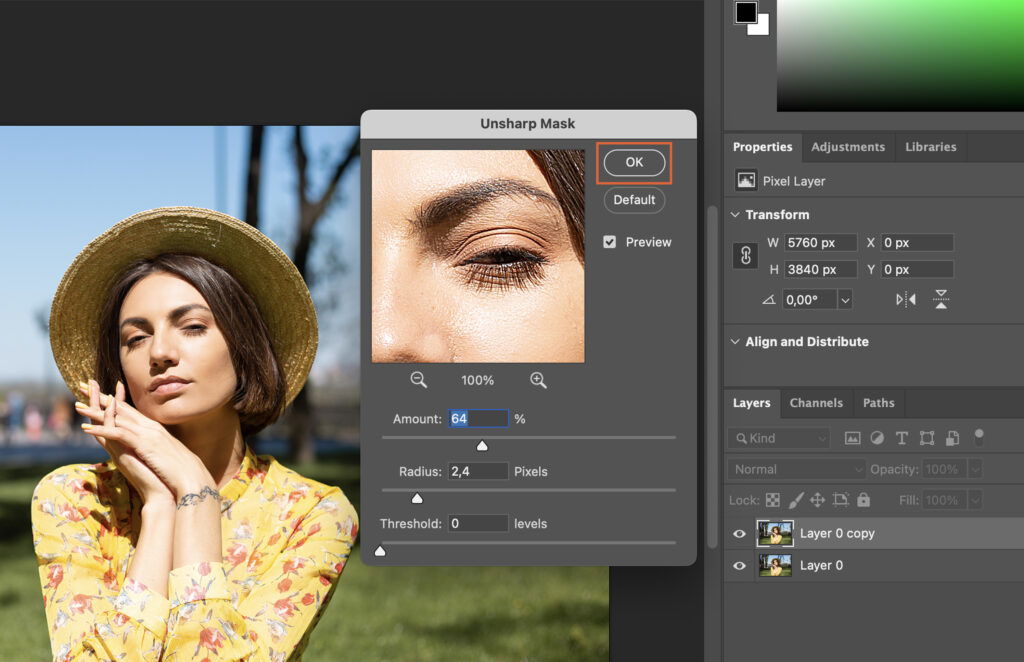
pixel 407 318
pixel 163 350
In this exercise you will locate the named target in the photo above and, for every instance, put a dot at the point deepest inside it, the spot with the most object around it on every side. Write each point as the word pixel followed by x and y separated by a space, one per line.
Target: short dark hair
pixel 564 171
pixel 260 389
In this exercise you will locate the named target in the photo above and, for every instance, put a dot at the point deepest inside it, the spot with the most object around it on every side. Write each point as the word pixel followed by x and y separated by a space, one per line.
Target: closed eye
pixel 504 268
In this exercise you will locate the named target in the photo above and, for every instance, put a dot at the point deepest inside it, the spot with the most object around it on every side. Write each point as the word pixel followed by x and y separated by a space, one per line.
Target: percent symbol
pixel 520 419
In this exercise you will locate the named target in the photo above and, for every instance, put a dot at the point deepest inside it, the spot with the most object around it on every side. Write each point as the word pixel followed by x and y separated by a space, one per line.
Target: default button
pixel 628 200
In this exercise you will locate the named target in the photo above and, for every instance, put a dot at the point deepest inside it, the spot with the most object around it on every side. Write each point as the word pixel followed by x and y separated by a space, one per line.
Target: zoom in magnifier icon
pixel 417 379
pixel 537 379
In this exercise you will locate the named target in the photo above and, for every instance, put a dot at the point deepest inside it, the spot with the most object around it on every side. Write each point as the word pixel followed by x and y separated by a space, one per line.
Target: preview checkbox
pixel 609 241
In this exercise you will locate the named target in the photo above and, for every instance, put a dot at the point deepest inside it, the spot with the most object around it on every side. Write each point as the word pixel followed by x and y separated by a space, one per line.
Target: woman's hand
pixel 166 458
pixel 142 478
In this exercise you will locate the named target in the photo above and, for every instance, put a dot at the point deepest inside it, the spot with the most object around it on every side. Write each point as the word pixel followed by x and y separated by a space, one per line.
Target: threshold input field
pixel 773 437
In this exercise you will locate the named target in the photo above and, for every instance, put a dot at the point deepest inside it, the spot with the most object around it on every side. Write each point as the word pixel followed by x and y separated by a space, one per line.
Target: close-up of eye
pixel 503 268
pixel 133 341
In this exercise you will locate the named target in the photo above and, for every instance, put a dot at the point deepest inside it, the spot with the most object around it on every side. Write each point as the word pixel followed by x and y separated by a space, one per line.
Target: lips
pixel 167 385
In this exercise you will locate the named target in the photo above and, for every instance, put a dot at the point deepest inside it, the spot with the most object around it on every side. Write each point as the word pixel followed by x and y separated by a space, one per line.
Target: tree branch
pixel 353 153
pixel 252 180
pixel 301 163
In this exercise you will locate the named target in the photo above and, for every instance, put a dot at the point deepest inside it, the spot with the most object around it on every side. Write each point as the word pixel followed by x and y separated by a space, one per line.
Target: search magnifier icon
pixel 741 438
pixel 537 379
pixel 417 379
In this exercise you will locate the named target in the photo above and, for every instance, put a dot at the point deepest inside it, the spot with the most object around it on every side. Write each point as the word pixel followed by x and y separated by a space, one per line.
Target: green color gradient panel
pixel 901 55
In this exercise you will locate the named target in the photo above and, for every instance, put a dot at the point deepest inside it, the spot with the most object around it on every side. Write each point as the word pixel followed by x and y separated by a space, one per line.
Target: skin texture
pixel 461 290
pixel 175 445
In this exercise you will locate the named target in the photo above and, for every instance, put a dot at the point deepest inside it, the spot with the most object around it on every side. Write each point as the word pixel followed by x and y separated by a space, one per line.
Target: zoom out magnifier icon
pixel 537 379
pixel 417 379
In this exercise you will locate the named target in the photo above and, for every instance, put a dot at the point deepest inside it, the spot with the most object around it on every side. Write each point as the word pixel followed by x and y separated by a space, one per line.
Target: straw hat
pixel 254 260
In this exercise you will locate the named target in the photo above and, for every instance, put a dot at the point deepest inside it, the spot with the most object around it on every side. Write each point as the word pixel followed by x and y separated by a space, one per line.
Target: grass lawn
pixel 393 614
pixel 787 540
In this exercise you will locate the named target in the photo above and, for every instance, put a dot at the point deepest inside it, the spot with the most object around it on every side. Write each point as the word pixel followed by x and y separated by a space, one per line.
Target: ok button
pixel 634 162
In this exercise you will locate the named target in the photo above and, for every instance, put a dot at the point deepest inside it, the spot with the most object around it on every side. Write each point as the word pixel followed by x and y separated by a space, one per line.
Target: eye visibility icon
pixel 417 379
pixel 537 379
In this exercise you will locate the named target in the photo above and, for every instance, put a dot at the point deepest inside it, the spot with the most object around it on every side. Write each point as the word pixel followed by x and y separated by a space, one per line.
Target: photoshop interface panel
pixel 509 447
pixel 871 379
pixel 716 295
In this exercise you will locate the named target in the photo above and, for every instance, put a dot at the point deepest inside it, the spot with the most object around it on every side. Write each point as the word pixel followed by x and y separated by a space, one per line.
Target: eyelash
pixel 190 330
pixel 507 268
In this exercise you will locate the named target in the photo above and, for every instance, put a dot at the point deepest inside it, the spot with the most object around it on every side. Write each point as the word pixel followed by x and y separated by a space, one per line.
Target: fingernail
pixel 81 405
pixel 86 426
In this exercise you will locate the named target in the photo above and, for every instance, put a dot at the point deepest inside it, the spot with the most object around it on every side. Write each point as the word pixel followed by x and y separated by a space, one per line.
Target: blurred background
pixel 62 186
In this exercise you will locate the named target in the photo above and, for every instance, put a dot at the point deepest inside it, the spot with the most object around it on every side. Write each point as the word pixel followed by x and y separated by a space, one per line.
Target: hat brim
pixel 254 260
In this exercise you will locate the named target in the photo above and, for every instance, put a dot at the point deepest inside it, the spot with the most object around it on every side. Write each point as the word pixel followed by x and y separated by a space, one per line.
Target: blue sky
pixel 62 186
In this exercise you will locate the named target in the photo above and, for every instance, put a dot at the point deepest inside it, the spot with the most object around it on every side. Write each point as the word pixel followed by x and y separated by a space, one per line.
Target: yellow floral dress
pixel 286 540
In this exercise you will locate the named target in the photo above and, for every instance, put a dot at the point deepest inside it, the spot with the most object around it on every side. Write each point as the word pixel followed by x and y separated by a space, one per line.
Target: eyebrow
pixel 455 203
pixel 174 315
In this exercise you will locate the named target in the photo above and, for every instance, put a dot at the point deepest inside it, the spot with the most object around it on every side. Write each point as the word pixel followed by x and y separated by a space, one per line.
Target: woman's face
pixel 775 562
pixel 472 261
pixel 175 360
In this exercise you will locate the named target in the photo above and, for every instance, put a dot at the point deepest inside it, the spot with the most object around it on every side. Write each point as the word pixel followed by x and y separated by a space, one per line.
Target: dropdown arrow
pixel 735 214
pixel 735 341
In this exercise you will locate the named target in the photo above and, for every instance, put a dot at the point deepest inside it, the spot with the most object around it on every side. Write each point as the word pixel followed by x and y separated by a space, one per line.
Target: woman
pixel 776 569
pixel 184 331
pixel 776 537
pixel 477 255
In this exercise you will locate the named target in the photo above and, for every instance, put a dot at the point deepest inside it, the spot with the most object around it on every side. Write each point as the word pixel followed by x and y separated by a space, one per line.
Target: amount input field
pixel 478 418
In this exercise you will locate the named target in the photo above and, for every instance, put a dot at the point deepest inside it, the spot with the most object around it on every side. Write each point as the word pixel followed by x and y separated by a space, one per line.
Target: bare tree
pixel 252 180
pixel 311 209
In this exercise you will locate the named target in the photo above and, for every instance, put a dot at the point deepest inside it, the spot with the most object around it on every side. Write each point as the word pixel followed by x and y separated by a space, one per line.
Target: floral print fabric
pixel 285 543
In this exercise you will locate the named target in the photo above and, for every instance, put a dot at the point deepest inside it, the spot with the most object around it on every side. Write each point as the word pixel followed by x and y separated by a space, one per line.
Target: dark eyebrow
pixel 174 315
pixel 456 203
